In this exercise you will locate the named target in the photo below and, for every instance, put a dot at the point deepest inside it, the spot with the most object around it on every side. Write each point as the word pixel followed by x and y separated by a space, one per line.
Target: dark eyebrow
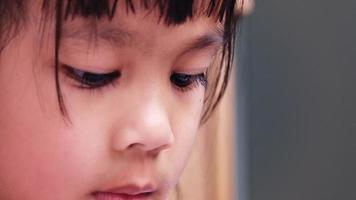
pixel 114 36
pixel 121 38
pixel 207 40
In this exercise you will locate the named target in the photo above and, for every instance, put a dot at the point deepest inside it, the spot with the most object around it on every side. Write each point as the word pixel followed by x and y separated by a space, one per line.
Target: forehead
pixel 126 26
pixel 142 28
pixel 132 15
pixel 148 18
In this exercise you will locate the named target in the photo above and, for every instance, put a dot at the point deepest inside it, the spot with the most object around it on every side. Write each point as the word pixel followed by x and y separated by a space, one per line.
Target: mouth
pixel 129 192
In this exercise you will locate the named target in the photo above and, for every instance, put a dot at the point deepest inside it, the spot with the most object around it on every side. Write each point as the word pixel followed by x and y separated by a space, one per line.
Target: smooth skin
pixel 138 130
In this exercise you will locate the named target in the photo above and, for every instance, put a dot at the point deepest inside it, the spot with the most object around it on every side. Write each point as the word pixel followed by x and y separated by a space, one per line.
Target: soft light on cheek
pixel 193 96
pixel 187 114
pixel 188 111
pixel 185 132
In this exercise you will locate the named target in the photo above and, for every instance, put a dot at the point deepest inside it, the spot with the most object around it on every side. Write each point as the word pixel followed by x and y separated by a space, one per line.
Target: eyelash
pixel 188 81
pixel 88 80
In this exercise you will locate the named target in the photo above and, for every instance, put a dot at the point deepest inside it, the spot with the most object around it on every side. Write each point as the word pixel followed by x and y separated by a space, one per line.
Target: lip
pixel 127 192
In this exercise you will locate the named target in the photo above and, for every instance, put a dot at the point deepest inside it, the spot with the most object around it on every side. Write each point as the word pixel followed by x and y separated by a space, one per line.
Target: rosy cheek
pixel 37 153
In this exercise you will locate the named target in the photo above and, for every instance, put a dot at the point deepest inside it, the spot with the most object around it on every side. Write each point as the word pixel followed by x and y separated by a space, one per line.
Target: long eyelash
pixel 203 80
pixel 198 79
pixel 100 90
pixel 85 84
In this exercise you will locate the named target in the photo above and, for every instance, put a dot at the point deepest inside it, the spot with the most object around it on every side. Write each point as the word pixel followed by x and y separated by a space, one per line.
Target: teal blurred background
pixel 296 97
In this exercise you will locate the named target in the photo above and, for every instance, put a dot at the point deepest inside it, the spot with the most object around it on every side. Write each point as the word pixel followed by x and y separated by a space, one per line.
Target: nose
pixel 146 127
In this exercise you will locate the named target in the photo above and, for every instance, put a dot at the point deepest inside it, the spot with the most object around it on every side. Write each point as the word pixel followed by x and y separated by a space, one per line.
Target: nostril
pixel 152 134
pixel 154 151
pixel 157 150
pixel 134 145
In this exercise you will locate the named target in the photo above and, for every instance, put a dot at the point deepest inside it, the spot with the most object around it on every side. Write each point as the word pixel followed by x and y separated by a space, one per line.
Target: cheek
pixel 185 124
pixel 177 157
pixel 37 152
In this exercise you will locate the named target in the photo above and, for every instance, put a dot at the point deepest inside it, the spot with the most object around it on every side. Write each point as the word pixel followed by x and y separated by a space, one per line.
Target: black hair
pixel 172 12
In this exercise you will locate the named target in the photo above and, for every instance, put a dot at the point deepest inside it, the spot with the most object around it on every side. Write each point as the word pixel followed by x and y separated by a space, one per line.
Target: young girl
pixel 102 99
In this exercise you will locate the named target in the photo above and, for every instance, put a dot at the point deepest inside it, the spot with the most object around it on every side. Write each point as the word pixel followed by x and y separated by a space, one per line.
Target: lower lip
pixel 117 196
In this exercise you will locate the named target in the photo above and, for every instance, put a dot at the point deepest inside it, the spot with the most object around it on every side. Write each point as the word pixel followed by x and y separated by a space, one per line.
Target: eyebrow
pixel 122 38
pixel 212 38
pixel 116 36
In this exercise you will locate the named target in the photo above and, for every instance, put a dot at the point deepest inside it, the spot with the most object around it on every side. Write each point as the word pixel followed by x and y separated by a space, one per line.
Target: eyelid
pixel 82 78
pixel 69 68
pixel 194 80
pixel 193 71
pixel 88 69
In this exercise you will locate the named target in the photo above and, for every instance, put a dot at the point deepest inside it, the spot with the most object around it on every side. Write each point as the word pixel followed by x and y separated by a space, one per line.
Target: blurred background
pixel 286 129
pixel 296 101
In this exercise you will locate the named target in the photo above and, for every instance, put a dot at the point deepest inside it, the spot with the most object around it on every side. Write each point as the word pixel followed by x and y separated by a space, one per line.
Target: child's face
pixel 130 135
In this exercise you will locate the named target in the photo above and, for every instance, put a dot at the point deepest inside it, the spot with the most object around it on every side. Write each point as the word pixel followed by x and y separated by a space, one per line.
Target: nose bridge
pixel 146 124
pixel 155 125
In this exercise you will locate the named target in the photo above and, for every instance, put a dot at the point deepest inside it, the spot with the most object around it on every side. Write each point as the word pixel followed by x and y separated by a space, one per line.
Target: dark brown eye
pixel 91 80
